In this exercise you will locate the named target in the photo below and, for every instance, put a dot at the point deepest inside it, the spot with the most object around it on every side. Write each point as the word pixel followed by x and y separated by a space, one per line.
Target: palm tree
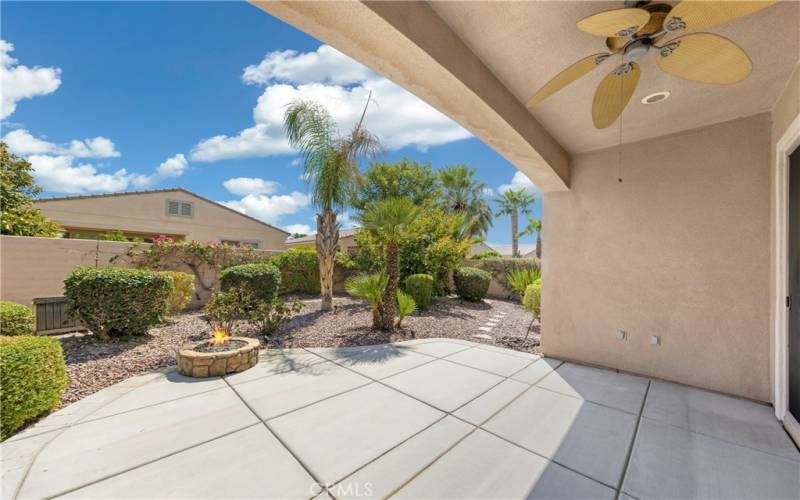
pixel 462 193
pixel 386 219
pixel 512 202
pixel 534 226
pixel 330 164
pixel 369 287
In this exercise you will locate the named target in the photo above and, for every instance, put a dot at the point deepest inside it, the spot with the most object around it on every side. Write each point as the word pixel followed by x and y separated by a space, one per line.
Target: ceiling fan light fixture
pixel 656 97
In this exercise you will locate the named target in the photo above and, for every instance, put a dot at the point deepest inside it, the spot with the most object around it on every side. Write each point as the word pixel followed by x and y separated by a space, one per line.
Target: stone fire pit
pixel 204 360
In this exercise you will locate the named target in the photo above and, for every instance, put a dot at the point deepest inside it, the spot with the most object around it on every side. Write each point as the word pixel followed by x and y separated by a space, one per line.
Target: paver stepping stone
pixel 99 448
pixel 287 391
pixel 485 328
pixel 250 463
pixel 485 466
pixel 537 370
pixel 671 462
pixel 389 472
pixel 337 436
pixel 583 436
pixel 443 384
pixel 618 390
pixel 482 336
pixel 484 406
pixel 495 362
pixel 375 361
pixel 725 417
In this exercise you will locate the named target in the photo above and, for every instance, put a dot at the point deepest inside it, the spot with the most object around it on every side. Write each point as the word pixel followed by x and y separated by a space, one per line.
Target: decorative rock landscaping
pixel 195 363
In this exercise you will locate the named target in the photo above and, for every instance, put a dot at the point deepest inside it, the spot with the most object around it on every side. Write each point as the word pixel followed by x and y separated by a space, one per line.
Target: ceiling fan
pixel 639 28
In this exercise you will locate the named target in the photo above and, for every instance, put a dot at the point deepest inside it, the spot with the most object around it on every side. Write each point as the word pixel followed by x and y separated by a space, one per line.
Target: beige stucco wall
pixel 146 213
pixel 679 249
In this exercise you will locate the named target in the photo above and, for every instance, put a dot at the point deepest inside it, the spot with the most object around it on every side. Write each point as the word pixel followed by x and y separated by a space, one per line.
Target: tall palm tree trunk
pixel 389 302
pixel 514 231
pixel 539 245
pixel 327 240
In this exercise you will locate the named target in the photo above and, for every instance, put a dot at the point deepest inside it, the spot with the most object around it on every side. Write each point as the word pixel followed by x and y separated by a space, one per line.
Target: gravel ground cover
pixel 93 365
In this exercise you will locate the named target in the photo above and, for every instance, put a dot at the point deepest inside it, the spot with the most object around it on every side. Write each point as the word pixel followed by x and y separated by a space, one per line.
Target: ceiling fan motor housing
pixel 637 48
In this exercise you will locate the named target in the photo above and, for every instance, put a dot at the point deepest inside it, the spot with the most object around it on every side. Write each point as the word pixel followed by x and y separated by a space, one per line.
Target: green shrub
pixel 532 300
pixel 519 279
pixel 114 301
pixel 471 283
pixel 16 319
pixel 299 270
pixel 369 287
pixel 224 308
pixel 32 378
pixel 182 290
pixel 261 281
pixel 488 254
pixel 500 268
pixel 405 306
pixel 268 316
pixel 420 287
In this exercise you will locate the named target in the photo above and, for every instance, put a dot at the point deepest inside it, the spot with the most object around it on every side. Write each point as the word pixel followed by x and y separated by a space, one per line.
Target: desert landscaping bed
pixel 93 365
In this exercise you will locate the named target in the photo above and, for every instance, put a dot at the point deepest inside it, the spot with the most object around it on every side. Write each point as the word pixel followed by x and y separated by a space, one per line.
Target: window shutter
pixel 173 207
pixel 186 209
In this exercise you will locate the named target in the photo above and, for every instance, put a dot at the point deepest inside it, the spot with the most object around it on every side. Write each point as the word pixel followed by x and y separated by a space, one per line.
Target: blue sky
pixel 113 96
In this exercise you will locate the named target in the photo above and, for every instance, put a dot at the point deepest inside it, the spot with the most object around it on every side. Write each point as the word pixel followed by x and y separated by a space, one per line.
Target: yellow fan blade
pixel 566 77
pixel 618 22
pixel 704 57
pixel 697 14
pixel 616 43
pixel 613 94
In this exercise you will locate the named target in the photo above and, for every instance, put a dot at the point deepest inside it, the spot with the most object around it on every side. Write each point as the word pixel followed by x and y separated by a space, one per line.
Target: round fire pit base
pixel 193 363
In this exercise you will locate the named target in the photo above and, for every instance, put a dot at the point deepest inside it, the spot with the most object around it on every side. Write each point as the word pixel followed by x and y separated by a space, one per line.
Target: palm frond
pixel 389 217
pixel 405 306
pixel 369 287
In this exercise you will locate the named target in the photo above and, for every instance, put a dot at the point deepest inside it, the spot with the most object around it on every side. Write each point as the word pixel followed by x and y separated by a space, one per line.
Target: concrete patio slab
pixel 390 471
pixel 338 435
pixel 167 387
pixel 537 370
pixel 510 352
pixel 252 459
pixel 161 436
pixel 437 349
pixel 583 436
pixel 375 361
pixel 732 419
pixel 617 390
pixel 487 404
pixel 101 448
pixel 287 391
pixel 672 462
pixel 490 361
pixel 443 384
pixel 485 466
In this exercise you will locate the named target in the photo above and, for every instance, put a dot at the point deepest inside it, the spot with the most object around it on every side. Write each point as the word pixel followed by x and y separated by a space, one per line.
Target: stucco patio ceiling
pixel 480 62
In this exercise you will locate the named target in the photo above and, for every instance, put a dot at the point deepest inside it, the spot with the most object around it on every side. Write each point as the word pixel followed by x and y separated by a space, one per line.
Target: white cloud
pixel 519 181
pixel 19 82
pixel 22 142
pixel 171 167
pixel 487 191
pixel 340 84
pixel 298 228
pixel 269 208
pixel 61 174
pixel 250 185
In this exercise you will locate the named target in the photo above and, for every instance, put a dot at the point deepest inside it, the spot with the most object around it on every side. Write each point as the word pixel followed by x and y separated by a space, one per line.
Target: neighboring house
pixel 525 250
pixel 176 213
pixel 477 248
pixel 347 241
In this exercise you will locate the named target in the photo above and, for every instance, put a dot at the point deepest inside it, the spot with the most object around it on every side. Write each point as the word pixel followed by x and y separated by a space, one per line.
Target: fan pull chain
pixel 619 151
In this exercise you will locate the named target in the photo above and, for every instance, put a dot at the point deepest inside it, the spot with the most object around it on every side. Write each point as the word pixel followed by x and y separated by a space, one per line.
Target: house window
pixel 177 208
pixel 240 243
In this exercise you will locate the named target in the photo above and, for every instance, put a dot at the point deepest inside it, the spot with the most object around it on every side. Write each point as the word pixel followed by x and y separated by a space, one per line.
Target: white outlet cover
pixel 655 340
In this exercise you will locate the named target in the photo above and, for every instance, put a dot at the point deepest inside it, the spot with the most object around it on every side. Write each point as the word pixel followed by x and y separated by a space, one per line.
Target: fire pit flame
pixel 221 337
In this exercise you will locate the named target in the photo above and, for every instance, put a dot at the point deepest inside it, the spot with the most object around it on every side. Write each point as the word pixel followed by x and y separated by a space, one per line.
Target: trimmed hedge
pixel 115 301
pixel 299 270
pixel 182 290
pixel 501 267
pixel 471 283
pixel 420 287
pixel 532 299
pixel 32 378
pixel 16 319
pixel 261 281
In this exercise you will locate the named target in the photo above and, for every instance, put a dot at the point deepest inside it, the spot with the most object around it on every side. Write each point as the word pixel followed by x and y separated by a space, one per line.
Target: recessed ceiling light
pixel 655 97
